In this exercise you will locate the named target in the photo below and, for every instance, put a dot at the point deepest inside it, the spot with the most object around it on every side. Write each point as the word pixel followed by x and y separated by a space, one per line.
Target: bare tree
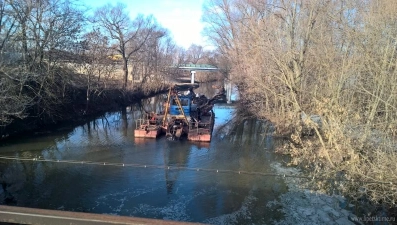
pixel 95 61
pixel 150 54
pixel 195 53
pixel 45 26
pixel 321 67
pixel 129 35
pixel 34 36
pixel 8 26
pixel 221 28
pixel 13 104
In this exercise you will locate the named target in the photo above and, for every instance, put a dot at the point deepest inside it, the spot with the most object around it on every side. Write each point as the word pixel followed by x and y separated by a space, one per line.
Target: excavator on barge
pixel 186 115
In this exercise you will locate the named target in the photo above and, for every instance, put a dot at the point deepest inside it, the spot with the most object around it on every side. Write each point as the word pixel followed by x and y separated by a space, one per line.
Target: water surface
pixel 179 193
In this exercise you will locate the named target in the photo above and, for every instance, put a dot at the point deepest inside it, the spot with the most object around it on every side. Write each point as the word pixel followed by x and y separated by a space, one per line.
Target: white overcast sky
pixel 181 17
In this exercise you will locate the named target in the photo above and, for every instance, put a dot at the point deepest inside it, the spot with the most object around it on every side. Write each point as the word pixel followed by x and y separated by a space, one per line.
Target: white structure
pixel 192 72
pixel 228 92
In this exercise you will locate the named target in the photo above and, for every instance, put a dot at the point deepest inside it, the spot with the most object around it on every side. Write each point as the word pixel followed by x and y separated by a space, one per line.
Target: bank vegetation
pixel 60 60
pixel 324 73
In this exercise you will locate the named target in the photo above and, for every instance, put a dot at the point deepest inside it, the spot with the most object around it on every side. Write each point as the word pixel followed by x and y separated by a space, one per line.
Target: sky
pixel 181 17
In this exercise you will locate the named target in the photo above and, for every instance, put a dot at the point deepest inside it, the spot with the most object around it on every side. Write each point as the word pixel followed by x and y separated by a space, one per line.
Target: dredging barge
pixel 185 115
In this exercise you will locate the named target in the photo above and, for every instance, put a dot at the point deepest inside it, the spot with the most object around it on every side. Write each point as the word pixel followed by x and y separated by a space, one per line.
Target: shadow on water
pixel 163 179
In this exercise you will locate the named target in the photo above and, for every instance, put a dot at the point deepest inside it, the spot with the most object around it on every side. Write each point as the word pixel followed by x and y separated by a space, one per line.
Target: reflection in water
pixel 125 121
pixel 153 104
pixel 178 194
pixel 175 157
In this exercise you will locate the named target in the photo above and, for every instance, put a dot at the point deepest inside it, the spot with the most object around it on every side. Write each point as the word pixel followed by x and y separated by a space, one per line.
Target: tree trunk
pixel 125 69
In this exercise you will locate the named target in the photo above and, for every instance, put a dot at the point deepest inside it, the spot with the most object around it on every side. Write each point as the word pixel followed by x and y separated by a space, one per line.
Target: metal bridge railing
pixel 21 215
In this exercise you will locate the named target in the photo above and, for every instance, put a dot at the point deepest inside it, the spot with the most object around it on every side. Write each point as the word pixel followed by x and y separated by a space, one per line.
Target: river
pixel 163 179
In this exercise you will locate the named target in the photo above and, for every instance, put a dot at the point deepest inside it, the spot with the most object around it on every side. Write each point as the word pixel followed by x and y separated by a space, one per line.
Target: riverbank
pixel 77 109
pixel 302 206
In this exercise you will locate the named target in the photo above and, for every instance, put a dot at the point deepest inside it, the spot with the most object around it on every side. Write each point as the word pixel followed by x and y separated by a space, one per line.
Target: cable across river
pixel 136 165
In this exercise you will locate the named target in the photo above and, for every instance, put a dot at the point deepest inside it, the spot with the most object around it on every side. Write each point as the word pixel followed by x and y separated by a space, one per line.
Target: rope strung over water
pixel 135 165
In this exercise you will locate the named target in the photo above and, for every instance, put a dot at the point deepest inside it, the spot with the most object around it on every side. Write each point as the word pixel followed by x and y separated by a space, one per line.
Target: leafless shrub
pixel 13 102
pixel 330 60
